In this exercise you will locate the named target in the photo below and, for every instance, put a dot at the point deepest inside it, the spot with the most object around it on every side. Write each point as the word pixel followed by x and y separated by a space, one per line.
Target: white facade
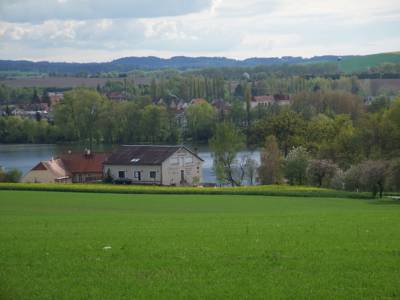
pixel 180 169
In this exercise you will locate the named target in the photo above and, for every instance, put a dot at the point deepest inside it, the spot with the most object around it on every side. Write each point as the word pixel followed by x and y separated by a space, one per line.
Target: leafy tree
pixel 250 168
pixel 155 123
pixel 374 175
pixel 270 171
pixel 352 178
pixel 80 114
pixel 288 127
pixel 321 171
pixel 200 121
pixel 296 164
pixel 394 175
pixel 225 144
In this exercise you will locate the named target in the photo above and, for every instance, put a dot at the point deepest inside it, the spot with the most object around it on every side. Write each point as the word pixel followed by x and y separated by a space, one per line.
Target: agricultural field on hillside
pixel 56 245
pixel 359 63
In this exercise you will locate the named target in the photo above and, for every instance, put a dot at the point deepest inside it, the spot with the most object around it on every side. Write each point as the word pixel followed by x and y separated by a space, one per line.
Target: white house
pixel 160 165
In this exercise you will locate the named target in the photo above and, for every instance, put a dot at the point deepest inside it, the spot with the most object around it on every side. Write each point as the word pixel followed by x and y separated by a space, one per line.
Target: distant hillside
pixel 359 63
pixel 347 64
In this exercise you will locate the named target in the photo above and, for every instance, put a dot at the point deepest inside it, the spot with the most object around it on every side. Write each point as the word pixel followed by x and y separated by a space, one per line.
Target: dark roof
pixel 84 163
pixel 143 154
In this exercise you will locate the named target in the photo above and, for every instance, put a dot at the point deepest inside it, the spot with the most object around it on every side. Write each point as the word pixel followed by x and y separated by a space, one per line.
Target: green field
pixel 197 246
pixel 362 63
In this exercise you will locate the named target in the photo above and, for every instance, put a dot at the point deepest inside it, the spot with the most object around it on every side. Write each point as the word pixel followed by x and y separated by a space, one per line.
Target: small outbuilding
pixel 159 165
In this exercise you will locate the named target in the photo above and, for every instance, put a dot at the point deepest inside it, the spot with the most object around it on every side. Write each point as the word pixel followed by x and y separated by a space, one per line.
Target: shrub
pixel 13 175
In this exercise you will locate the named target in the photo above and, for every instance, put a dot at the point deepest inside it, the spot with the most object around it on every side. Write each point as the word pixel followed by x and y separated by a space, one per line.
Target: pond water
pixel 25 156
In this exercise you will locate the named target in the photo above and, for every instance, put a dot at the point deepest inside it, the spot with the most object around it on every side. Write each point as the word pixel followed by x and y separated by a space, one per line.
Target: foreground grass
pixel 196 246
pixel 266 190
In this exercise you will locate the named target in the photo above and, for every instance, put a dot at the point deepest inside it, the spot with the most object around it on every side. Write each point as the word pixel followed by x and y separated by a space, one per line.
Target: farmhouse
pixel 160 165
pixel 48 171
pixel 68 168
pixel 84 167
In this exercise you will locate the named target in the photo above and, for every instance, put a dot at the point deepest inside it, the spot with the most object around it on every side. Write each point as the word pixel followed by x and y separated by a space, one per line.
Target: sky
pixel 103 30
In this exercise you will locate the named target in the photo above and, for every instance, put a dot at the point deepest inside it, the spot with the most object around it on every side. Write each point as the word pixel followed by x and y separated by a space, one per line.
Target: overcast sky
pixel 102 30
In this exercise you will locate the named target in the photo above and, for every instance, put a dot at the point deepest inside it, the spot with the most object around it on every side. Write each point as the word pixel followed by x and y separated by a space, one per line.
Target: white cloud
pixel 231 28
pixel 41 10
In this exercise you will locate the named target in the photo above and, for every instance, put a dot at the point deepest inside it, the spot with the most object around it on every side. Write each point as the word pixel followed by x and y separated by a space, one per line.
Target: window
pixel 138 175
pixel 153 174
pixel 175 161
pixel 121 174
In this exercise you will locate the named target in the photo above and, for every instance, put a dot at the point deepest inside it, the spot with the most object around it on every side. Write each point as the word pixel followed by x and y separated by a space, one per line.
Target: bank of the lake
pixel 25 156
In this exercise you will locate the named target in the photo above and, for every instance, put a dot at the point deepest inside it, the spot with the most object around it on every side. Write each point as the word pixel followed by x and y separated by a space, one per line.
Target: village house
pixel 55 97
pixel 68 168
pixel 48 171
pixel 84 167
pixel 159 165
pixel 266 100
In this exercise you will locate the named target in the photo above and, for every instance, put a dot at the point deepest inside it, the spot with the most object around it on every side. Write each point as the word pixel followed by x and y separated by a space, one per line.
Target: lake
pixel 25 156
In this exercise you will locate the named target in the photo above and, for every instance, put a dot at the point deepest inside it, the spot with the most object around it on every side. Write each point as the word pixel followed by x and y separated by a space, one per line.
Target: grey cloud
pixel 33 11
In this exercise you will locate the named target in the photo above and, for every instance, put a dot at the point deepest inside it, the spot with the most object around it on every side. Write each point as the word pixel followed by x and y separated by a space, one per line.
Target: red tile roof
pixel 265 98
pixel 82 163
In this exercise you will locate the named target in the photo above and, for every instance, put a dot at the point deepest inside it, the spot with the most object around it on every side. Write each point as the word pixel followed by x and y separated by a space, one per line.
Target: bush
pixel 13 175
pixel 269 190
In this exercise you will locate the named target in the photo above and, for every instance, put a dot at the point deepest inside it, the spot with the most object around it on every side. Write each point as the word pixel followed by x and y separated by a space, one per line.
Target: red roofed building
pixel 262 100
pixel 86 167
pixel 68 168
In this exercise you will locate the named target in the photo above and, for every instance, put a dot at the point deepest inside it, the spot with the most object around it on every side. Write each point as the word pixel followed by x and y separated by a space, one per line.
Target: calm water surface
pixel 25 156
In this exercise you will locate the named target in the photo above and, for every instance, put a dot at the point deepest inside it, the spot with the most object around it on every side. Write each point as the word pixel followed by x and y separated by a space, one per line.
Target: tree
pixel 374 175
pixel 225 144
pixel 394 175
pixel 288 127
pixel 200 121
pixel 155 123
pixel 352 178
pixel 247 99
pixel 80 115
pixel 250 169
pixel 296 164
pixel 270 171
pixel 321 171
pixel 35 97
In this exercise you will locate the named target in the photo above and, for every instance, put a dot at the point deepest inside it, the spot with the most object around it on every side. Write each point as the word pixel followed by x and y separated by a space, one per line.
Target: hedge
pixel 268 190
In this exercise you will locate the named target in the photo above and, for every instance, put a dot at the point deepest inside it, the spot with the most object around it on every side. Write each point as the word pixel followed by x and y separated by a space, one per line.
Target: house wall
pixel 86 177
pixel 130 173
pixel 41 176
pixel 182 160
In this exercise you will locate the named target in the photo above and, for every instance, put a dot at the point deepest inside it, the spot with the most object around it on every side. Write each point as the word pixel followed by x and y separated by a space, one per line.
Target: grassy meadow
pixel 60 245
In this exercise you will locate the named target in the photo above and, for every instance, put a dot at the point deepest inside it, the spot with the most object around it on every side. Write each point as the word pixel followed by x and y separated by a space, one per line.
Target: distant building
pixel 266 100
pixel 198 101
pixel 116 96
pixel 262 101
pixel 159 165
pixel 55 97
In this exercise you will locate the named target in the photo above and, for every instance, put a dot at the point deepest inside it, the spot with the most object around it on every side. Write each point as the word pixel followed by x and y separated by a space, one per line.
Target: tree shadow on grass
pixel 385 201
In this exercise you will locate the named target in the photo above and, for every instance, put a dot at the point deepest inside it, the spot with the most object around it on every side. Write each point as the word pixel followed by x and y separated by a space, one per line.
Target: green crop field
pixel 60 245
pixel 362 63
